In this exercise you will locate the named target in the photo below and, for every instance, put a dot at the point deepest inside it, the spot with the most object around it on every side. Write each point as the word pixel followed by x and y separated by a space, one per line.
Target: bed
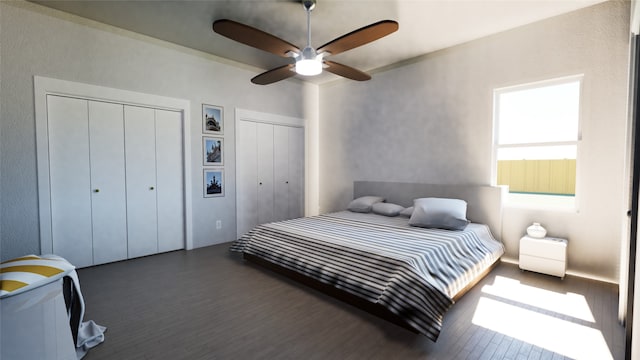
pixel 405 274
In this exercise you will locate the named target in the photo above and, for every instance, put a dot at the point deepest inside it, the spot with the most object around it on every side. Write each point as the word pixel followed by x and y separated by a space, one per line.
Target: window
pixel 536 141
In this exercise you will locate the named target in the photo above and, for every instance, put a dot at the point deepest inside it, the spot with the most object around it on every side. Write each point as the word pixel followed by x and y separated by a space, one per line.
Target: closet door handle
pixel 260 183
pixel 96 190
pixel 286 182
pixel 151 188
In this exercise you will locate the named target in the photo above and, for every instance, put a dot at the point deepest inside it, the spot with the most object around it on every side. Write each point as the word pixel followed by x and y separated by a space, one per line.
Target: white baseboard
pixel 571 272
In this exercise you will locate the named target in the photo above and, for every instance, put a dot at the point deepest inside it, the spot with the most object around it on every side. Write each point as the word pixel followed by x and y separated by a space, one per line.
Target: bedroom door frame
pixel 44 86
pixel 635 198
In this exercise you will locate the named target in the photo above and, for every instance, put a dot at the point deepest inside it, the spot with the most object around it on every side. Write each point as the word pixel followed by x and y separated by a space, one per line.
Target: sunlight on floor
pixel 553 321
pixel 570 304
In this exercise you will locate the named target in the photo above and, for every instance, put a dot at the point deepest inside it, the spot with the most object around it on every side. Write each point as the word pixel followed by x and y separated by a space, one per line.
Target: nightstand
pixel 547 255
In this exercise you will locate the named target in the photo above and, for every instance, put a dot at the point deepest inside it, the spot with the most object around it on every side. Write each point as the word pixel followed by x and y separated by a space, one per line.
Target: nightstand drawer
pixel 542 265
pixel 544 248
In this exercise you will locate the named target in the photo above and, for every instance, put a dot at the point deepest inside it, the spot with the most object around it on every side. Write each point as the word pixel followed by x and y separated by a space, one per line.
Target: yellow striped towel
pixel 28 272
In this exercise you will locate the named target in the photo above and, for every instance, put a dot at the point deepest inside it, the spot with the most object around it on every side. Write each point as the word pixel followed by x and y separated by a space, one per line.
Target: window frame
pixel 496 146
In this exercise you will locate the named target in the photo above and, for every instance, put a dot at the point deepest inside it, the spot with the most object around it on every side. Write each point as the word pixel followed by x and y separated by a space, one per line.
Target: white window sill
pixel 541 202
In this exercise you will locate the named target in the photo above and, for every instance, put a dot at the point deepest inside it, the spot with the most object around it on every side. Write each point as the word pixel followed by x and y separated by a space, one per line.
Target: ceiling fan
pixel 308 61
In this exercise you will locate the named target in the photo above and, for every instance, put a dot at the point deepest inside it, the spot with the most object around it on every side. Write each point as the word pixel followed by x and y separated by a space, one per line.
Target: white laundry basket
pixel 35 325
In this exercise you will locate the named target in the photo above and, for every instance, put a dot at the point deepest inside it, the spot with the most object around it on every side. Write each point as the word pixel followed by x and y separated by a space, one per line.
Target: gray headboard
pixel 484 203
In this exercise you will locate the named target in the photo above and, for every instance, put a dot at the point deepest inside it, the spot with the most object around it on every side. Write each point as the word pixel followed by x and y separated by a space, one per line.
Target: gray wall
pixel 38 41
pixel 431 121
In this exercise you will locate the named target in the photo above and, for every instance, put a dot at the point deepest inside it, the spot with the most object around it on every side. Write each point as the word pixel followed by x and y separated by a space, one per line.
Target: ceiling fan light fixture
pixel 308 61
pixel 308 67
pixel 309 64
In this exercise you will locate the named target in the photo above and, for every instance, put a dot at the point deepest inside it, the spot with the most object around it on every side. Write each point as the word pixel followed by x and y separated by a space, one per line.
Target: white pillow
pixel 407 212
pixel 387 209
pixel 449 214
pixel 363 204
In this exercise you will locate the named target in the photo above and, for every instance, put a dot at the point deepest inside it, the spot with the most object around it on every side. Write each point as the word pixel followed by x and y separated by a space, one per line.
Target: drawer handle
pixel 96 190
pixel 151 188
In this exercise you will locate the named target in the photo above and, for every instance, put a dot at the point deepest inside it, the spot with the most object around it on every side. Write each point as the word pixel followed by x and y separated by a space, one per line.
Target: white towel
pixel 90 334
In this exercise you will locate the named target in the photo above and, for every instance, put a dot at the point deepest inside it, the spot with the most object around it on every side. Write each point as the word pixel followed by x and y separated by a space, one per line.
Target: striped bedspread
pixel 413 272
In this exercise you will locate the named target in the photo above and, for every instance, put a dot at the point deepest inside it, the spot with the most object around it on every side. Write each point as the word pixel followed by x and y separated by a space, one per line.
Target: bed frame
pixel 484 205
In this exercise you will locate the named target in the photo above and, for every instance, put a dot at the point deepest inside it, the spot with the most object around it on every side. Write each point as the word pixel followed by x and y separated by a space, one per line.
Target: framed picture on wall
pixel 212 119
pixel 213 180
pixel 212 151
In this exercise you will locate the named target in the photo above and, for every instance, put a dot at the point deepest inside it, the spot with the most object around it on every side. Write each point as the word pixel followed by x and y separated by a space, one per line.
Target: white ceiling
pixel 425 25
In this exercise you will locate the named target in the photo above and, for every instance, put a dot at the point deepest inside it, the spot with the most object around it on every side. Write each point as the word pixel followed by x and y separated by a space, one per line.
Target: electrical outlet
pixel 218 224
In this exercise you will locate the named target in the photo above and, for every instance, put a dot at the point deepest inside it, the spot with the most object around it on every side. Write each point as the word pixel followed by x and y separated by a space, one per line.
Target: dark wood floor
pixel 210 304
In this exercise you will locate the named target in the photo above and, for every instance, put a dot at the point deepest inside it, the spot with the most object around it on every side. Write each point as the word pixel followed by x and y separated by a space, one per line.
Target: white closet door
pixel 140 155
pixel 169 180
pixel 296 172
pixel 69 178
pixel 281 172
pixel 265 172
pixel 108 199
pixel 246 177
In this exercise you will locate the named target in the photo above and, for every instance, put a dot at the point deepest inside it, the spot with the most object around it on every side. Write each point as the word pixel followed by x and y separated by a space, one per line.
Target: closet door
pixel 169 180
pixel 70 180
pixel 270 173
pixel 108 196
pixel 265 172
pixel 288 170
pixel 281 172
pixel 140 157
pixel 296 172
pixel 247 177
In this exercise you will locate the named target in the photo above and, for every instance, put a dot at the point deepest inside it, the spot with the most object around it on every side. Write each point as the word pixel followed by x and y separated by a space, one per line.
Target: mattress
pixel 413 272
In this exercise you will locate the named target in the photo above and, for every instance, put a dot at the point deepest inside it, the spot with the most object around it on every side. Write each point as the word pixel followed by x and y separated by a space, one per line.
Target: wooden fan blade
pixel 360 37
pixel 346 71
pixel 253 37
pixel 273 75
